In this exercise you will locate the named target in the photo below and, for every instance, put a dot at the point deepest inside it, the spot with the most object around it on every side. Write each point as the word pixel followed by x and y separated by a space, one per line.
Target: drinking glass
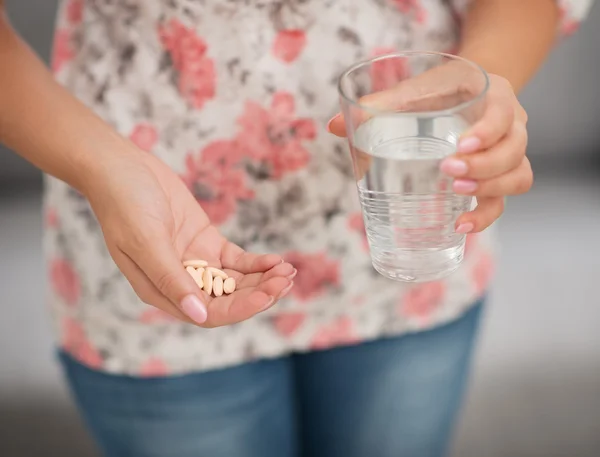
pixel 404 113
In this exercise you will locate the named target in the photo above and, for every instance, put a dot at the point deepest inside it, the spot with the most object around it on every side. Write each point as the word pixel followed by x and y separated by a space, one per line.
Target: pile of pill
pixel 211 279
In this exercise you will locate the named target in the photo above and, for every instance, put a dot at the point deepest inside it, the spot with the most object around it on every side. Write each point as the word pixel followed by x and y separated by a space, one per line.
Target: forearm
pixel 510 38
pixel 44 123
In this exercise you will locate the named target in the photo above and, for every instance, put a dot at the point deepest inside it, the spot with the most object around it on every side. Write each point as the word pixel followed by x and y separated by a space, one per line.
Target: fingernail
pixel 286 291
pixel 468 145
pixel 454 167
pixel 293 275
pixel 464 186
pixel 194 309
pixel 268 304
pixel 331 120
pixel 467 227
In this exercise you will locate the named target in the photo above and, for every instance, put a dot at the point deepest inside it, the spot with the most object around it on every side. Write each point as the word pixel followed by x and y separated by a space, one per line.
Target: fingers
pixel 484 215
pixel 516 182
pixel 155 256
pixel 500 159
pixel 382 100
pixel 235 258
pixel 406 96
pixel 143 287
pixel 439 88
pixel 284 270
pixel 337 125
pixel 256 292
pixel 496 121
pixel 245 303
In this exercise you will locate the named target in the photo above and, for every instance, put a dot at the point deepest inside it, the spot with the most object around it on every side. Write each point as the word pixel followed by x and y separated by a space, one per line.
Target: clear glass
pixel 404 113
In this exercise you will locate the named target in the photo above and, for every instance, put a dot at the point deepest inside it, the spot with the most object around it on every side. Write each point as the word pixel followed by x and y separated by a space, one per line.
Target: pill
pixel 196 263
pixel 200 271
pixel 208 281
pixel 195 275
pixel 220 273
pixel 229 285
pixel 217 286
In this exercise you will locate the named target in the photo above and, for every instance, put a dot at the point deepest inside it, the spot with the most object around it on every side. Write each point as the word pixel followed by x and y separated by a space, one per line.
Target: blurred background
pixel 536 389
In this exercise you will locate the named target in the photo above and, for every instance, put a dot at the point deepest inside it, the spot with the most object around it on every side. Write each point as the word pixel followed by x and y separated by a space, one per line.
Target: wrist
pixel 100 168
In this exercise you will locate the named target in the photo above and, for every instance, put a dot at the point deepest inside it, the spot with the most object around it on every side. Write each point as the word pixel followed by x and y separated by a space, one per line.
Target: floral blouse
pixel 234 96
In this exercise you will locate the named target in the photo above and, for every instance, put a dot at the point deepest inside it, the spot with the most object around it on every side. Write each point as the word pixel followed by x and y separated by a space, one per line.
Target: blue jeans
pixel 395 397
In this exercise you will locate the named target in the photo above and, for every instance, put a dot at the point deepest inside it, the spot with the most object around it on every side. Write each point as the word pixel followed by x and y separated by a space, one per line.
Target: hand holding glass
pixel 404 113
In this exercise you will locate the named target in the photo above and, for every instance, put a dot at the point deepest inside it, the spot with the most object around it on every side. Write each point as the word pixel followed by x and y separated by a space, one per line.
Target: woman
pixel 213 115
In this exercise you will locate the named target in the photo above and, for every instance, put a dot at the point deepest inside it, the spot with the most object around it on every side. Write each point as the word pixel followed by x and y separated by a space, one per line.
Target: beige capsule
pixel 196 263
pixel 229 286
pixel 217 286
pixel 195 276
pixel 208 281
pixel 220 273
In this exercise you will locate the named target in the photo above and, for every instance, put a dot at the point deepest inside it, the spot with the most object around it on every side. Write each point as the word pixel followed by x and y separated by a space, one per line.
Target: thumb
pixel 161 264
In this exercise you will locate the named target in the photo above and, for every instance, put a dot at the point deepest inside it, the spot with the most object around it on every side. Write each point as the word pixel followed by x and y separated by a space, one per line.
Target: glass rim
pixel 432 113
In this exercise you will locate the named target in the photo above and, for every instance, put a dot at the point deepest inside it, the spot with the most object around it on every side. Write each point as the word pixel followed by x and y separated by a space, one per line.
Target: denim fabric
pixel 395 397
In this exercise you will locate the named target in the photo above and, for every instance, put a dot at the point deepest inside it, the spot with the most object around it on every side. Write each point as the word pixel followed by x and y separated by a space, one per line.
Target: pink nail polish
pixel 464 186
pixel 454 167
pixel 194 308
pixel 467 227
pixel 331 120
pixel 468 145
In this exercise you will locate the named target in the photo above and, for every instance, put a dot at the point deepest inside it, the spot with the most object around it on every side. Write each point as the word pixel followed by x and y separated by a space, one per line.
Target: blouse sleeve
pixel 572 12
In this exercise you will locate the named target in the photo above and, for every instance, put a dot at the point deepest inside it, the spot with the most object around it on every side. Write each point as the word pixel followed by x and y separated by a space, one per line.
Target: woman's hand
pixel 152 223
pixel 490 163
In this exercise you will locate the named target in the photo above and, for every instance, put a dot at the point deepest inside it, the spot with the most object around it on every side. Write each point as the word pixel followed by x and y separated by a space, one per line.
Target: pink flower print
pixel 215 180
pixel 156 316
pixel 422 300
pixel 315 273
pixel 51 219
pixel 568 25
pixel 482 273
pixel 65 281
pixel 412 7
pixel 274 136
pixel 356 223
pixel 62 51
pixel 288 45
pixel 287 324
pixel 338 333
pixel 75 11
pixel 76 344
pixel 154 368
pixel 197 74
pixel 386 73
pixel 144 136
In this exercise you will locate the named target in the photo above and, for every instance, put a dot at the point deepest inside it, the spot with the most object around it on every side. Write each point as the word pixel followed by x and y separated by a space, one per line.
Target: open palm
pixel 152 223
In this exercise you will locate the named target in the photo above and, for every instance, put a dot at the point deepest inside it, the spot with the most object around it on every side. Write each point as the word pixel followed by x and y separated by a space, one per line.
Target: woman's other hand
pixel 490 162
